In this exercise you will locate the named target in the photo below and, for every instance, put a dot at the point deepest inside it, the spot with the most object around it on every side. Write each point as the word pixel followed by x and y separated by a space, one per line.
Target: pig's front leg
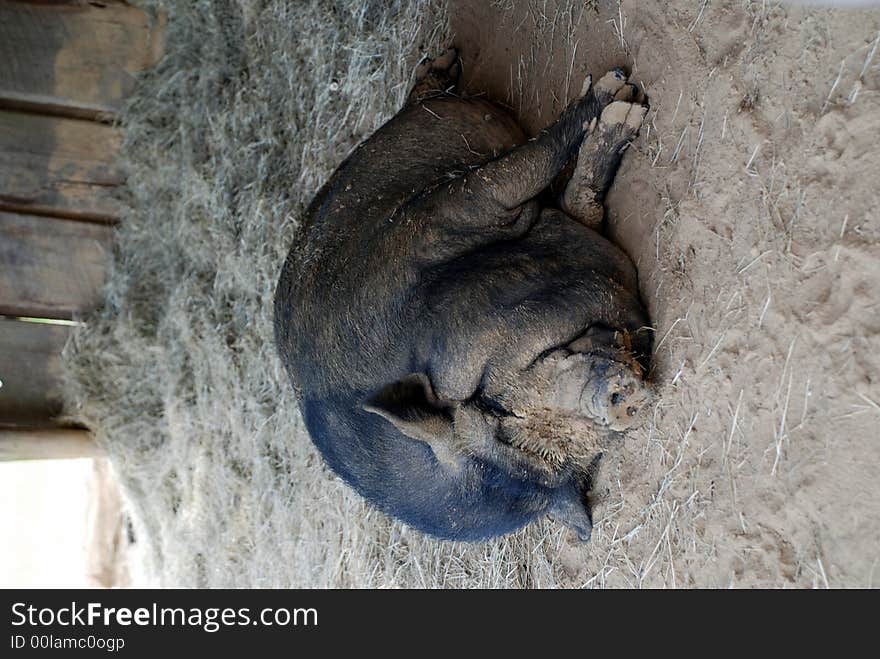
pixel 521 174
pixel 599 157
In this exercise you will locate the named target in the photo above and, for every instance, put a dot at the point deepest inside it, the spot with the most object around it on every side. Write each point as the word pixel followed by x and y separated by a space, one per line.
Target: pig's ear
pixel 570 507
pixel 412 407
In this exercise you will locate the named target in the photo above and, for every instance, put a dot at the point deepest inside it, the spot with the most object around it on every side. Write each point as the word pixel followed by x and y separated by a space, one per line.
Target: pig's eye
pixel 493 407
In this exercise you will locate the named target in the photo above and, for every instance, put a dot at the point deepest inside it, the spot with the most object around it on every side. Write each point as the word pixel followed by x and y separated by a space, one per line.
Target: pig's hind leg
pixel 435 77
pixel 524 172
pixel 599 157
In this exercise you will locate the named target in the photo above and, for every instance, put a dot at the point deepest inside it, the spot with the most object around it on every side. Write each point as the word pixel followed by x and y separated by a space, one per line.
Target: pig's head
pixel 545 425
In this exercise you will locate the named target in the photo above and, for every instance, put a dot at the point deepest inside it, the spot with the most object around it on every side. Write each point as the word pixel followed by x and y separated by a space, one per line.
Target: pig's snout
pixel 614 394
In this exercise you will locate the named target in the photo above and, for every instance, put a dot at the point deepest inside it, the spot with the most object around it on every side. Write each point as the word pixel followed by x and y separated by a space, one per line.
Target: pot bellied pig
pixel 462 341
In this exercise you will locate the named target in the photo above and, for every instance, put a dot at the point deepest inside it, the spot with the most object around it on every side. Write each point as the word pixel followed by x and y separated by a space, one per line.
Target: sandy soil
pixel 750 206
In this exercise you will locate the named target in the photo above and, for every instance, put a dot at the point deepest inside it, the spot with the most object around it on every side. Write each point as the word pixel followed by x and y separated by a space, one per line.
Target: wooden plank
pixel 73 57
pixel 47 444
pixel 57 166
pixel 51 268
pixel 107 538
pixel 30 372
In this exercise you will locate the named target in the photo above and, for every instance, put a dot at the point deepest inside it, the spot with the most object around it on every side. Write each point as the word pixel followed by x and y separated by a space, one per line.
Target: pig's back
pixel 329 282
pixel 424 144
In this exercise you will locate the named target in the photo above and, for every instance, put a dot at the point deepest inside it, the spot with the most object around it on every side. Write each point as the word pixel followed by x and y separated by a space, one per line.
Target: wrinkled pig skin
pixel 461 350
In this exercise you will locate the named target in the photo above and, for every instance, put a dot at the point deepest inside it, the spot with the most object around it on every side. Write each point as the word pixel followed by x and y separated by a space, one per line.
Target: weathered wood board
pixel 52 444
pixel 30 371
pixel 51 268
pixel 66 67
pixel 57 166
pixel 73 58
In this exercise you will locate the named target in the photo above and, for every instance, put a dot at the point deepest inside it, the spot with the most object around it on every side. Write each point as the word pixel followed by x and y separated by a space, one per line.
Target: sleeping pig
pixel 462 340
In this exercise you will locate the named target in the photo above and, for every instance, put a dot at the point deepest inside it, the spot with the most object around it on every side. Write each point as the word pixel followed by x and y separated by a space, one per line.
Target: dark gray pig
pixel 461 350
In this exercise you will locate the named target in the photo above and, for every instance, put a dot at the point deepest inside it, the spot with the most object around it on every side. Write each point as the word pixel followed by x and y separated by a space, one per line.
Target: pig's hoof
pixel 629 93
pixel 609 85
pixel 435 77
pixel 613 87
pixel 623 119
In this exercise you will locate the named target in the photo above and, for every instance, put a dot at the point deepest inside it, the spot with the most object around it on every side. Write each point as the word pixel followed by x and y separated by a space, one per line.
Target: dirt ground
pixel 750 205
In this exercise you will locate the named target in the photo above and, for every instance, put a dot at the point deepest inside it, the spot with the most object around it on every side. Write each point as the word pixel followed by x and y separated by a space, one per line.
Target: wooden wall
pixel 65 70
